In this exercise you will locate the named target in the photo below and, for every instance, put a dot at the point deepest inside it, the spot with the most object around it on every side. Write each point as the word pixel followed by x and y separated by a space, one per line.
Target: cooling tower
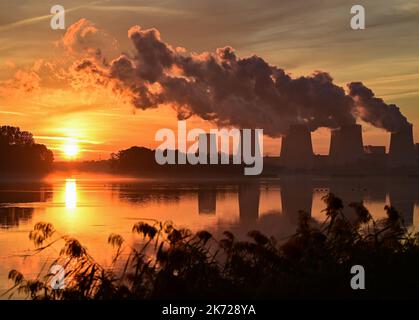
pixel 297 149
pixel 253 147
pixel 208 145
pixel 346 145
pixel 402 148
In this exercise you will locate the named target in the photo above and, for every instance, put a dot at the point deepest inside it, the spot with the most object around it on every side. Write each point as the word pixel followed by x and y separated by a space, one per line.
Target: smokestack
pixel 208 144
pixel 402 148
pixel 346 145
pixel 297 149
pixel 252 135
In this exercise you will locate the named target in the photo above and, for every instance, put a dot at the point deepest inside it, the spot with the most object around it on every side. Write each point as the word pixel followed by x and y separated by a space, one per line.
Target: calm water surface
pixel 91 206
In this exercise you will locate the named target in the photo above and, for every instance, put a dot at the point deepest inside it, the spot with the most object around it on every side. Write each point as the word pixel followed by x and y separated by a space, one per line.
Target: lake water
pixel 91 206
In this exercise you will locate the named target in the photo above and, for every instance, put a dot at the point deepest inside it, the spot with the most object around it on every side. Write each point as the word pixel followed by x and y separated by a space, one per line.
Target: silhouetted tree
pixel 19 152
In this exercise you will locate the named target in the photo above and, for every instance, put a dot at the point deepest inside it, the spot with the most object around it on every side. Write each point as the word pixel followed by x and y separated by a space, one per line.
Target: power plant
pixel 347 153
pixel 347 148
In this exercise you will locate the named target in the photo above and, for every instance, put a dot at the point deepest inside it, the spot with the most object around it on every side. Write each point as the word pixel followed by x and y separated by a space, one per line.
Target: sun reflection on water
pixel 70 194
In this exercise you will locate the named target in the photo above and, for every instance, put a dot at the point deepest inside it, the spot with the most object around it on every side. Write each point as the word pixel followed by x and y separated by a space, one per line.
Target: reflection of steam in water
pixel 249 195
pixel 70 194
pixel 207 200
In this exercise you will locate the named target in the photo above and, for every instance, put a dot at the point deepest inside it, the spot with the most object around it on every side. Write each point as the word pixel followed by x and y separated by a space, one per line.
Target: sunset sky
pixel 40 91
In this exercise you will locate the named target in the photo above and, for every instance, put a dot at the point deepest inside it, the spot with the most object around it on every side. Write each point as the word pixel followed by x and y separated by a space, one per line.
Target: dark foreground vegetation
pixel 175 263
pixel 20 154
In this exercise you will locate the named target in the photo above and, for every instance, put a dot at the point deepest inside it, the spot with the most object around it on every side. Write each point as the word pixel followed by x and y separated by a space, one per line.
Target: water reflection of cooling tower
pixel 402 196
pixel 296 195
pixel 346 145
pixel 402 148
pixel 207 201
pixel 349 191
pixel 375 190
pixel 297 148
pixel 249 202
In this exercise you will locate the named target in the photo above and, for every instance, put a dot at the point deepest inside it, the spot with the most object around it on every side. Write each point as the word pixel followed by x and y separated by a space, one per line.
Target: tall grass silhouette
pixel 176 263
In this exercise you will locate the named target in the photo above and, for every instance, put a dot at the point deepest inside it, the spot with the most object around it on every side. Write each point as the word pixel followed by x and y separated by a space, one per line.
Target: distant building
pixel 375 150
pixel 375 157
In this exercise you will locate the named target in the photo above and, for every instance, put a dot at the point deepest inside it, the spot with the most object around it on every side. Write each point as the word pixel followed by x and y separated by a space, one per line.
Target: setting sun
pixel 71 149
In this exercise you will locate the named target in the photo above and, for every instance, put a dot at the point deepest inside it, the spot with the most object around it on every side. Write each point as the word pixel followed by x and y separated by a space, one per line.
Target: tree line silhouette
pixel 141 160
pixel 20 154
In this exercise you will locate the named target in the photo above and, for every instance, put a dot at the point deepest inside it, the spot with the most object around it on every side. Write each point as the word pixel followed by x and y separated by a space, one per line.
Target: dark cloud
pixel 374 110
pixel 242 92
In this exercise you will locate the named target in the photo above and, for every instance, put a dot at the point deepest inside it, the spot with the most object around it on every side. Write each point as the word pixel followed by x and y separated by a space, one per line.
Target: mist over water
pixel 92 206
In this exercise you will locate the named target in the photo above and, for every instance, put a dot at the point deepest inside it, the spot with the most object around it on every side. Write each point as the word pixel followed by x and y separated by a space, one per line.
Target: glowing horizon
pixel 41 93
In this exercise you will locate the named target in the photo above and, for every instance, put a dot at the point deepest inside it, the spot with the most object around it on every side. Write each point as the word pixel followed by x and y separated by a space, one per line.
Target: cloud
pixel 218 86
pixel 228 90
pixel 33 20
pixel 156 10
pixel 84 38
pixel 82 42
pixel 374 110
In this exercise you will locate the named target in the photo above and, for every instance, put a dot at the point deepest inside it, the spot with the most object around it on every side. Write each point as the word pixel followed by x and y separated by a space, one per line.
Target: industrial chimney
pixel 402 148
pixel 346 145
pixel 297 149
pixel 208 145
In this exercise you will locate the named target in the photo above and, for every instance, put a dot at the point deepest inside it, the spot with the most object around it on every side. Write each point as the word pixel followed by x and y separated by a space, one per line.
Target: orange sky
pixel 40 93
